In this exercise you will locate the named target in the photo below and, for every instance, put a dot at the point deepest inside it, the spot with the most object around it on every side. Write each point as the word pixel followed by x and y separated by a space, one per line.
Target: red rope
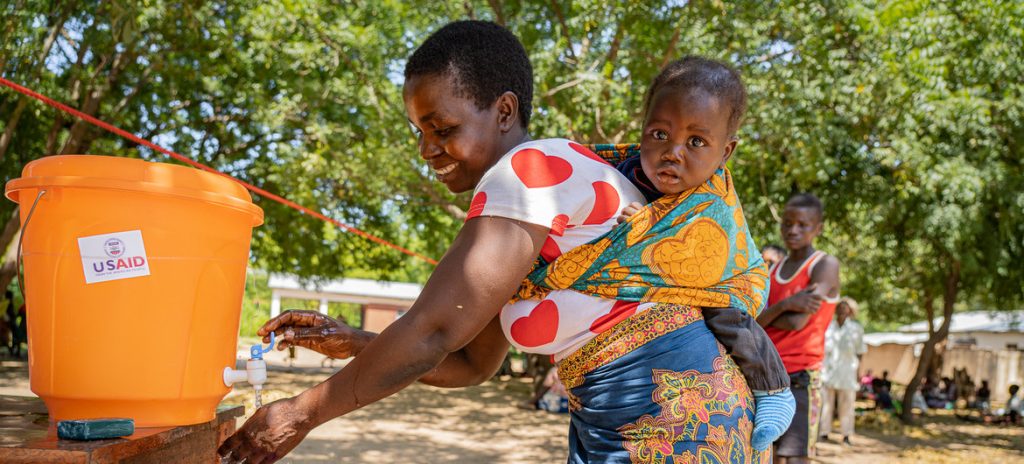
pixel 190 162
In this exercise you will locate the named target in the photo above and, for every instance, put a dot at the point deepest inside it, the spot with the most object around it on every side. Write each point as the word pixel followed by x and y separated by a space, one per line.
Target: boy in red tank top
pixel 802 299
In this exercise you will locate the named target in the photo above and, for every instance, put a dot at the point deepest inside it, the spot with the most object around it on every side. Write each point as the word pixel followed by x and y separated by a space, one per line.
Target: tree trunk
pixel 82 134
pixel 12 123
pixel 8 255
pixel 935 337
pixel 10 228
pixel 77 135
pixel 52 136
pixel 499 15
pixel 9 268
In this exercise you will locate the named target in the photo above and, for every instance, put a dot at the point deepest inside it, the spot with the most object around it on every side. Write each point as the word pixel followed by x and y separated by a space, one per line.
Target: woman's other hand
pixel 317 332
pixel 272 432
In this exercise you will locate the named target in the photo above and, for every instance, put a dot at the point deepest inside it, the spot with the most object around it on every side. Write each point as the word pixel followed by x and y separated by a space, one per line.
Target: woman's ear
pixel 508 111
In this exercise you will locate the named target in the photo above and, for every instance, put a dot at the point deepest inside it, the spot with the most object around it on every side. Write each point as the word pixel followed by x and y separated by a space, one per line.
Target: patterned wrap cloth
pixel 658 387
pixel 692 248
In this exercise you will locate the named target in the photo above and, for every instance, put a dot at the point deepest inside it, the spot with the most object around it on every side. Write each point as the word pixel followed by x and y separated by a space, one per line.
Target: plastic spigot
pixel 255 371
pixel 257 350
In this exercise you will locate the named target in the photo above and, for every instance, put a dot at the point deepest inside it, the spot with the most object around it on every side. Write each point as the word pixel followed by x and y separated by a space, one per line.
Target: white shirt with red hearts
pixel 559 184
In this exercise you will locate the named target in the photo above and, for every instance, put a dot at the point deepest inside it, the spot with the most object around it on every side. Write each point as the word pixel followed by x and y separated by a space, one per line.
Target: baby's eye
pixel 697 142
pixel 443 132
pixel 659 134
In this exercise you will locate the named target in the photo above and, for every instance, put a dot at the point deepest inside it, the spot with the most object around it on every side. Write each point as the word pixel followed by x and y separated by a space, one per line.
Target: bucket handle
pixel 21 237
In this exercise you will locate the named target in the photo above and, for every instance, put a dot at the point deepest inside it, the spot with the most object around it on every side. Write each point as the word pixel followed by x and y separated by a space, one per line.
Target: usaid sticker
pixel 120 255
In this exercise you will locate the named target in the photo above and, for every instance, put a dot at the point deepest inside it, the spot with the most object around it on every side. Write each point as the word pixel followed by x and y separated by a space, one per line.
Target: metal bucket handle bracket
pixel 21 238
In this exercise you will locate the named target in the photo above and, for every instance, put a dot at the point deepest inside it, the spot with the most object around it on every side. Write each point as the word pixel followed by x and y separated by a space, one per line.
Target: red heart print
pixel 550 250
pixel 620 311
pixel 476 207
pixel 559 224
pixel 586 152
pixel 535 169
pixel 539 328
pixel 606 203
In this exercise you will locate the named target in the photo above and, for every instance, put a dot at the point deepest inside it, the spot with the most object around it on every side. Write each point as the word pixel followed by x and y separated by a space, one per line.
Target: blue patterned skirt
pixel 658 388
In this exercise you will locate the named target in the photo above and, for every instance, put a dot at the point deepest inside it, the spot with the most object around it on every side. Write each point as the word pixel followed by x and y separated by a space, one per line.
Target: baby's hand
pixel 628 211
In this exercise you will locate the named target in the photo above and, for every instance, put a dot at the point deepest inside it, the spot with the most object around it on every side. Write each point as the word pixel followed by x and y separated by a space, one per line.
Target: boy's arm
pixel 805 301
pixel 794 312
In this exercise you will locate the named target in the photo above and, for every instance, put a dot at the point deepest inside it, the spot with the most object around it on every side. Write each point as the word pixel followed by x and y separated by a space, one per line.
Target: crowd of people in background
pixel 877 389
pixel 944 393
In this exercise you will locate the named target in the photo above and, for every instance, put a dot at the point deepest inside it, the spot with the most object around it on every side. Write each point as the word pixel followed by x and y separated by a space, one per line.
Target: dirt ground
pixel 482 425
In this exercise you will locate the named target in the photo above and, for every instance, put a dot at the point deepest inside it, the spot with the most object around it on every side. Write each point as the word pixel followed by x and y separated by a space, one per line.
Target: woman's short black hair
pixel 713 77
pixel 485 60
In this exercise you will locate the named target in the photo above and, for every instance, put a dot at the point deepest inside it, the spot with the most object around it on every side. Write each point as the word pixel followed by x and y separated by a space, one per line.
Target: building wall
pixel 376 317
pixel 989 340
pixel 898 359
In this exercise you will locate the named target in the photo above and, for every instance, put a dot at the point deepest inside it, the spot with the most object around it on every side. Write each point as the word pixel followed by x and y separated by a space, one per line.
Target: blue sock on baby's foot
pixel 772 414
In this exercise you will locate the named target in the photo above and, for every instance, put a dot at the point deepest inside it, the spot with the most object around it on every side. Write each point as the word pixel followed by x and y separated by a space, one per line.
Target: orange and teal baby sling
pixel 692 248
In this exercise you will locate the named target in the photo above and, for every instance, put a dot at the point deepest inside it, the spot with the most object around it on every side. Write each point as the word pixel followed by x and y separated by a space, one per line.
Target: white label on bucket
pixel 120 255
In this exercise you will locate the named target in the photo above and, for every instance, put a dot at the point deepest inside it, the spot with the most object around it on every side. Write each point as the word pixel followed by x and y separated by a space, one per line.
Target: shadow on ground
pixel 938 438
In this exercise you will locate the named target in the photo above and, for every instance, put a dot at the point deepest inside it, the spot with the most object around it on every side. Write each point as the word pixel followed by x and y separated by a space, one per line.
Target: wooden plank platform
pixel 27 436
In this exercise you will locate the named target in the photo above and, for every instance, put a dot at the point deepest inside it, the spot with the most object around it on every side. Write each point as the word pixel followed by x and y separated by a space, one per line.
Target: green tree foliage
pixel 904 116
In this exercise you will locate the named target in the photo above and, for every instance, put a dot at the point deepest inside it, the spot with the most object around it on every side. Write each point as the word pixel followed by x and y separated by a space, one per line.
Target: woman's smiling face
pixel 459 140
pixel 685 139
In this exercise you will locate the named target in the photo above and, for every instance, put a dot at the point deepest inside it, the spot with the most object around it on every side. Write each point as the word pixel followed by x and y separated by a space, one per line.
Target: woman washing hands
pixel 467 93
pixel 330 337
pixel 315 331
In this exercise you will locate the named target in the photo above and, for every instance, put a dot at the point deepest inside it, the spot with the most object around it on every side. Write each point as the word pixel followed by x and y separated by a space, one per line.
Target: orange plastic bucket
pixel 134 276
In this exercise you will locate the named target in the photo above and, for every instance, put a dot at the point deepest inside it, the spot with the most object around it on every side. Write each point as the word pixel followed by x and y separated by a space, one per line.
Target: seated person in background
pixel 982 397
pixel 932 395
pixel 1011 415
pixel 552 398
pixel 949 392
pixel 917 401
pixel 866 382
pixel 881 388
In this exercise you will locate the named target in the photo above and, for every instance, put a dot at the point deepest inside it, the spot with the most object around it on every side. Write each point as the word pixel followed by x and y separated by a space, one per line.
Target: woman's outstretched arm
pixel 476 277
pixel 473 364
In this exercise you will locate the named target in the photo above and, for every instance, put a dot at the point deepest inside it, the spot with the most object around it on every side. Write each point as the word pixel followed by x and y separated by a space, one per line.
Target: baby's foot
pixel 772 414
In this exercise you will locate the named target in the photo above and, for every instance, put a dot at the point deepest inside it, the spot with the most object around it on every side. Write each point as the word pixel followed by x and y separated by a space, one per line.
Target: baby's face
pixel 685 139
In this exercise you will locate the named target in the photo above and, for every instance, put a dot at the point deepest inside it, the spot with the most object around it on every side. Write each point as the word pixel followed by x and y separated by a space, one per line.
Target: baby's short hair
pixel 807 200
pixel 713 77
pixel 485 60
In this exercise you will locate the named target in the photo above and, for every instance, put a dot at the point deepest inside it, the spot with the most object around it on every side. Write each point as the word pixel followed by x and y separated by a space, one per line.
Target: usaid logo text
pixel 123 263
pixel 113 256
